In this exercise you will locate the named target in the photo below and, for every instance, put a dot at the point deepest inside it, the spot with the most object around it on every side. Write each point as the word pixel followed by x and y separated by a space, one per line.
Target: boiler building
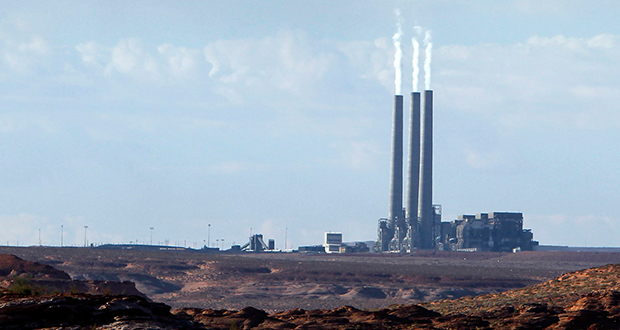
pixel 493 231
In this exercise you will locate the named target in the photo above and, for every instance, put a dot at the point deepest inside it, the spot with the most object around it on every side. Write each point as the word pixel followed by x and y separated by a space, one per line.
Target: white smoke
pixel 416 57
pixel 398 56
pixel 428 43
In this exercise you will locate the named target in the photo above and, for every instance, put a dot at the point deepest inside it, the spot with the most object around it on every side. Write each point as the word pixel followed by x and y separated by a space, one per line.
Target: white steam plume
pixel 428 43
pixel 398 56
pixel 416 57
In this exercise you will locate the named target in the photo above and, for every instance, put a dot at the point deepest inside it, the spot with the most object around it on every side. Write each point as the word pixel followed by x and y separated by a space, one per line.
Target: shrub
pixel 74 289
pixel 24 286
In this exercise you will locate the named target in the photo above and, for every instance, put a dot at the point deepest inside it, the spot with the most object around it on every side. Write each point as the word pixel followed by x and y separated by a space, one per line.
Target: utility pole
pixel 209 237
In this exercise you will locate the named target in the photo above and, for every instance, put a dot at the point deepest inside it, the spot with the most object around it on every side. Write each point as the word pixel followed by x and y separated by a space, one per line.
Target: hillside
pixel 563 292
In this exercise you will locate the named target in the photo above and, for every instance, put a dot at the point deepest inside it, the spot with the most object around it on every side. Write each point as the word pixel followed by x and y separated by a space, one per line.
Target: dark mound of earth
pixel 11 265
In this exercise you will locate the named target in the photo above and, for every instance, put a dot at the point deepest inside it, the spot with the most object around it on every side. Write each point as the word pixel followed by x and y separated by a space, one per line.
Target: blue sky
pixel 277 114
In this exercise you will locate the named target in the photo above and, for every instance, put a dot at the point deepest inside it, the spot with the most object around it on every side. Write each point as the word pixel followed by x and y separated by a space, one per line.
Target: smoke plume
pixel 428 44
pixel 398 56
pixel 416 57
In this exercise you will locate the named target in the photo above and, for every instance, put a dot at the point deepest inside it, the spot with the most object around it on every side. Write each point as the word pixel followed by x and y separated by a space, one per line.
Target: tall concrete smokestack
pixel 425 204
pixel 396 185
pixel 413 174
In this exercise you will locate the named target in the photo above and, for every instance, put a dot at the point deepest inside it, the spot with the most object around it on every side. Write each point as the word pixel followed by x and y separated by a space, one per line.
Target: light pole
pixel 217 243
pixel 209 237
pixel 152 234
pixel 85 242
pixel 222 240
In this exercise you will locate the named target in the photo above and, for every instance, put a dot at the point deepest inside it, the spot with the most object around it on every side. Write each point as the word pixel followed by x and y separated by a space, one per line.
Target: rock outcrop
pixel 599 310
pixel 11 265
pixel 83 311
pixel 45 279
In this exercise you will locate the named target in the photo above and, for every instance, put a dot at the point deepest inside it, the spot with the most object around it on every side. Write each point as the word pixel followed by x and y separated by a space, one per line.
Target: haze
pixel 265 115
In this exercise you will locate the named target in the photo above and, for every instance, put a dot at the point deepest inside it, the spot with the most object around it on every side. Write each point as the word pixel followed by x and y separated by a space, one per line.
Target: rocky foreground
pixel 587 299
pixel 598 310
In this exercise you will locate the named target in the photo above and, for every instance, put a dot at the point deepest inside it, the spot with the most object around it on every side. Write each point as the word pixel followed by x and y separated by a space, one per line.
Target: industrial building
pixel 333 244
pixel 493 231
pixel 418 225
pixel 333 241
pixel 257 244
pixel 411 227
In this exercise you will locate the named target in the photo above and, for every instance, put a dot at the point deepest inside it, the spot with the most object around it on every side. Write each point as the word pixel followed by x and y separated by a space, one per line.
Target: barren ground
pixel 276 282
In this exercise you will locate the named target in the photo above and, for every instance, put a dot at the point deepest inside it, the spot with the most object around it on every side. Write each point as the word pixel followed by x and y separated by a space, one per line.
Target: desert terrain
pixel 35 295
pixel 282 281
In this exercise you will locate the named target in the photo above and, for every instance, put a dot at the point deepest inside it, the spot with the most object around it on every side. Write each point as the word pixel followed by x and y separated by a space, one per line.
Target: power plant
pixel 411 227
pixel 418 225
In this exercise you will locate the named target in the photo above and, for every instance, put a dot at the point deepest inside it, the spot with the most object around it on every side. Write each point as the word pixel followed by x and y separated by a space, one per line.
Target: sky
pixel 274 117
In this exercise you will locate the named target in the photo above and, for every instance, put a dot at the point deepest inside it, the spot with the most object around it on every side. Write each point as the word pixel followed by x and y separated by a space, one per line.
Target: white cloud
pixel 93 54
pixel 126 55
pixel 373 60
pixel 293 63
pixel 288 61
pixel 182 61
pixel 23 53
pixel 36 45
pixel 603 41
pixel 131 58
pixel 546 81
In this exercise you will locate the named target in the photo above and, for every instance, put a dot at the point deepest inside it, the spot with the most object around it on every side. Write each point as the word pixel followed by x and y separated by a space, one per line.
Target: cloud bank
pixel 132 133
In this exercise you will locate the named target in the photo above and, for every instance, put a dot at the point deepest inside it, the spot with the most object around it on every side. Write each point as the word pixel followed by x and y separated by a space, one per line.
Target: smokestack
pixel 425 204
pixel 413 179
pixel 396 185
